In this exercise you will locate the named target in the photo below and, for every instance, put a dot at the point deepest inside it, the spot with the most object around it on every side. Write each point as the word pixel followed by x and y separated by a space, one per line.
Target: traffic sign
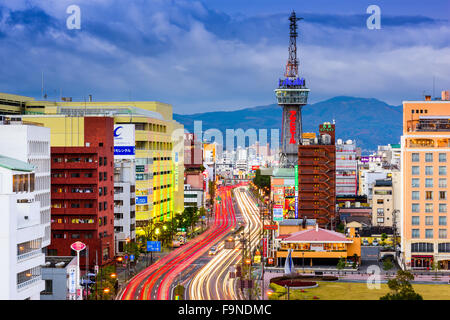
pixel 270 227
pixel 78 246
pixel 153 246
pixel 125 257
pixel 131 257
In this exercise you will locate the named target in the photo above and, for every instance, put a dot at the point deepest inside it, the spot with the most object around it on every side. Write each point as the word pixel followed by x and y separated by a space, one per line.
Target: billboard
pixel 124 141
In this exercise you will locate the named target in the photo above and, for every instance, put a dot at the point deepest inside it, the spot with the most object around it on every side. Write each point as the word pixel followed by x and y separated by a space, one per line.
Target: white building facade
pixel 21 232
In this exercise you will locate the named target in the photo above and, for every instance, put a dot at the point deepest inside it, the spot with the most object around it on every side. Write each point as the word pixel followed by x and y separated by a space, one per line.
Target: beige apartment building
pixel 425 174
pixel 382 203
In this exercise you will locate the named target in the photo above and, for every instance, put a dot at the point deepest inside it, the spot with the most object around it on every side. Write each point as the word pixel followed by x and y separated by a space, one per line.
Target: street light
pixel 269 293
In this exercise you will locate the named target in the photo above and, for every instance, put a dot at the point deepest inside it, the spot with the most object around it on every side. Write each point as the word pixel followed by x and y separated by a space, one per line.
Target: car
pixel 375 242
pixel 212 251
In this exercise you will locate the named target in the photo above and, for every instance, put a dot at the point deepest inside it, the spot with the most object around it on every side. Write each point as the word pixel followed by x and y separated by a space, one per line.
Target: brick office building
pixel 317 176
pixel 82 194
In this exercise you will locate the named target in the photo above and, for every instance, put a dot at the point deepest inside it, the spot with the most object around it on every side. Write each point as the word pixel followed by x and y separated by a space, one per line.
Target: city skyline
pixel 221 56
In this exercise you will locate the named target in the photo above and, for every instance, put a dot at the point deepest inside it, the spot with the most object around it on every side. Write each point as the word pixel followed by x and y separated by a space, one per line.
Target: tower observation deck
pixel 292 95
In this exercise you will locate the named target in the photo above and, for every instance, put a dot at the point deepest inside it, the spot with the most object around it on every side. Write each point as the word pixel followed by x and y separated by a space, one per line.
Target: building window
pixel 415 221
pixel 48 287
pixel 380 211
pixel 442 170
pixel 428 207
pixel 429 220
pixel 415 170
pixel 429 233
pixel 444 247
pixel 442 157
pixel 442 207
pixel 422 247
pixel 415 233
pixel 415 195
pixel 429 183
pixel 442 182
pixel 415 207
pixel 75 175
pixel 442 233
pixel 428 157
pixel 415 183
pixel 380 220
pixel 75 236
pixel 429 170
pixel 415 157
pixel 442 195
pixel 428 195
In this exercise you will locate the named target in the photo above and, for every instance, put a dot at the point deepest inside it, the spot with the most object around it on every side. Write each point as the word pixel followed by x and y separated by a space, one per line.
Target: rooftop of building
pixel 57 261
pixel 297 222
pixel 315 235
pixel 383 183
pixel 15 164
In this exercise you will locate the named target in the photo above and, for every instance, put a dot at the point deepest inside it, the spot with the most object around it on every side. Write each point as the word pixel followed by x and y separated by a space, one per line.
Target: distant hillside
pixel 370 122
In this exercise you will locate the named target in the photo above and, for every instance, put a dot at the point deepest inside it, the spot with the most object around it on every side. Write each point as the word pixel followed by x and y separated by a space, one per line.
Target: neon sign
pixel 288 82
pixel 292 123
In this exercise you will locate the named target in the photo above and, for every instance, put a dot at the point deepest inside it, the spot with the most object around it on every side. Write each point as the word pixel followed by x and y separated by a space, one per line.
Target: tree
pixel 340 227
pixel 341 264
pixel 212 192
pixel 401 288
pixel 436 266
pixel 190 217
pixel 261 181
pixel 133 248
pixel 387 264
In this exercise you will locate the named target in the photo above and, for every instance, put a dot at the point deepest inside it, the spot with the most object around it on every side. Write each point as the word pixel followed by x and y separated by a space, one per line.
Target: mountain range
pixel 369 121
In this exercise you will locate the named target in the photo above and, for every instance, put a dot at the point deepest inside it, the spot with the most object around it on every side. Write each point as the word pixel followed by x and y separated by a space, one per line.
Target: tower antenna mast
pixel 292 63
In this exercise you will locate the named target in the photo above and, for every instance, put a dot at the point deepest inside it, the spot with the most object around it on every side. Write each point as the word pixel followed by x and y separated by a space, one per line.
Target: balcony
pixel 74 195
pixel 78 211
pixel 79 226
pixel 70 180
pixel 74 165
pixel 26 284
pixel 27 255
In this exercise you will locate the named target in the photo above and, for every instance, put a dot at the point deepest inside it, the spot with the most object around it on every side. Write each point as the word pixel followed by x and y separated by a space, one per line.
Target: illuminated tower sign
pixel 292 95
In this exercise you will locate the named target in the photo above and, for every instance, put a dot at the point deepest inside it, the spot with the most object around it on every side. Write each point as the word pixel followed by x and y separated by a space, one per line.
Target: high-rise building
pixel 21 232
pixel 30 142
pixel 317 177
pixel 83 192
pixel 425 161
pixel 124 203
pixel 346 168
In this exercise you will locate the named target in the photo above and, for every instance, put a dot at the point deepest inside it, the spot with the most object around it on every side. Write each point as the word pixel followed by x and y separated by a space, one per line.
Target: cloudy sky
pixel 222 54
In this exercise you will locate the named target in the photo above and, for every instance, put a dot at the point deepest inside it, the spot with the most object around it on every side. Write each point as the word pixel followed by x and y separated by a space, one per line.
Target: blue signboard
pixel 288 82
pixel 141 200
pixel 154 246
pixel 123 151
pixel 131 257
